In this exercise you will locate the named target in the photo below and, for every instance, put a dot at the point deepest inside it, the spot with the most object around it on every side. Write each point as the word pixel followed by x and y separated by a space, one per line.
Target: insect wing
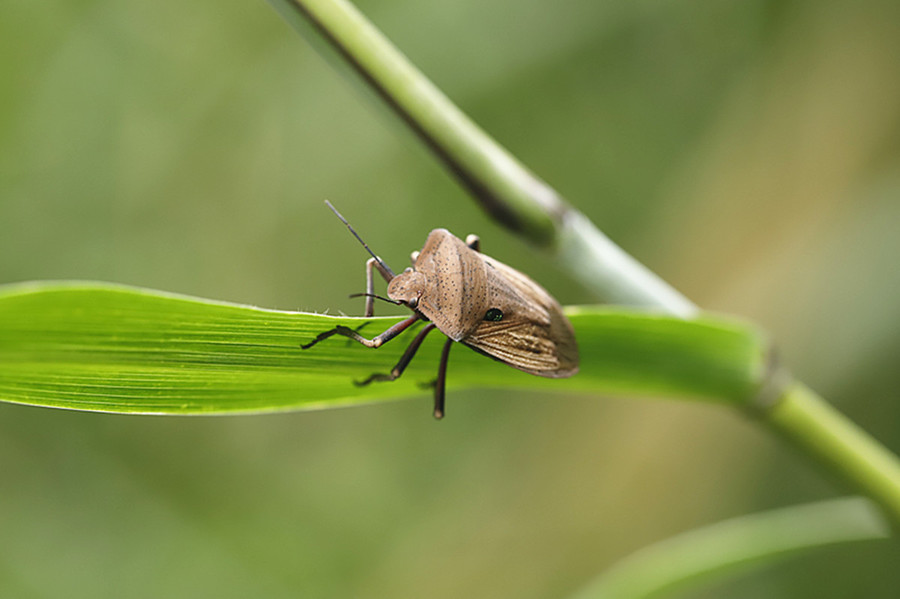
pixel 533 334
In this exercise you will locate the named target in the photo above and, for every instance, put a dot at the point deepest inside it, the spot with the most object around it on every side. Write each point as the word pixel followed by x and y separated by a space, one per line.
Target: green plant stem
pixel 506 189
pixel 811 424
pixel 520 200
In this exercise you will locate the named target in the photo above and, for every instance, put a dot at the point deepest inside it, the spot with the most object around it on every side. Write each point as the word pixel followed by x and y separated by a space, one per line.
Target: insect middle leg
pixel 374 342
pixel 405 359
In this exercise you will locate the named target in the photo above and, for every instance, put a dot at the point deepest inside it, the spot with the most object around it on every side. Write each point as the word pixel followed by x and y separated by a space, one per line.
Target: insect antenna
pixel 359 239
pixel 384 299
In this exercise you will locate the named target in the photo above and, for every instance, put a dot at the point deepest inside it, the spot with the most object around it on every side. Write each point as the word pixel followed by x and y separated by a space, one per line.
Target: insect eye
pixel 494 314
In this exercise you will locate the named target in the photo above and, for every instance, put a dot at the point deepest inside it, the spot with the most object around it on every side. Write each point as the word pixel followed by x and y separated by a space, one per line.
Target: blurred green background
pixel 749 152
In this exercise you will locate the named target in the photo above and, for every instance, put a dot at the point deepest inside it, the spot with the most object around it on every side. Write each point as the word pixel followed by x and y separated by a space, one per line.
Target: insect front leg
pixel 371 265
pixel 374 342
pixel 405 359
pixel 474 242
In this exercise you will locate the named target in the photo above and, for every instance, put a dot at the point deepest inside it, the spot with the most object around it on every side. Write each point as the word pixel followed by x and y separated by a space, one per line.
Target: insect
pixel 474 300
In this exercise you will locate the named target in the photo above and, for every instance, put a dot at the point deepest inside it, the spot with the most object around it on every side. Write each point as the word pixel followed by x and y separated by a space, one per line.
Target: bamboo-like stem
pixel 505 188
pixel 815 427
pixel 527 205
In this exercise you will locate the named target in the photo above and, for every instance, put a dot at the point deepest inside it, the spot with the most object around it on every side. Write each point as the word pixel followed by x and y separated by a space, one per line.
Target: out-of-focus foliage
pixel 748 152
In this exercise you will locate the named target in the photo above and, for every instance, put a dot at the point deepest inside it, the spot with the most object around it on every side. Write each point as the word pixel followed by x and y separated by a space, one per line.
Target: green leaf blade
pixel 715 551
pixel 109 348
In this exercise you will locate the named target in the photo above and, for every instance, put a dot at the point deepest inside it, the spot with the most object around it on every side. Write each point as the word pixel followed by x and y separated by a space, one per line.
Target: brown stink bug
pixel 474 300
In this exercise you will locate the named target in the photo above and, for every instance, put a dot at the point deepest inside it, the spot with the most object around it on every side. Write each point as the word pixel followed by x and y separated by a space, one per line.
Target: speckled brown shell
pixel 455 286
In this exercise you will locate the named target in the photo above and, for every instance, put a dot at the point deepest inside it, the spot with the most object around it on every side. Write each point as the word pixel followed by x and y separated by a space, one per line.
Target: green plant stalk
pixel 483 166
pixel 811 424
pixel 510 192
pixel 520 200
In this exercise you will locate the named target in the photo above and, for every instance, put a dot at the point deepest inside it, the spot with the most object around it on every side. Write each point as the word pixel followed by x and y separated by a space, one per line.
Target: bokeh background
pixel 749 152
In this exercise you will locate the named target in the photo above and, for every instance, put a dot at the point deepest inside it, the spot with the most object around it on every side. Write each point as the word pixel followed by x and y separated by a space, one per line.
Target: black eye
pixel 494 314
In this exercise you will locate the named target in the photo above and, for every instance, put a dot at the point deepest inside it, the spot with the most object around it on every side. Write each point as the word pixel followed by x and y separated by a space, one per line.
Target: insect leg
pixel 372 264
pixel 377 341
pixel 405 359
pixel 474 242
pixel 441 383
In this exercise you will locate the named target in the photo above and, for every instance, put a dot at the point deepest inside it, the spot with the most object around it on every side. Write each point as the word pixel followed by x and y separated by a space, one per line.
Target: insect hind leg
pixel 405 359
pixel 440 384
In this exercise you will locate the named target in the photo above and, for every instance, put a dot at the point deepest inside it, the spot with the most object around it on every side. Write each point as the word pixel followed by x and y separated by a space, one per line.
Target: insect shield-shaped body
pixel 474 300
pixel 485 304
